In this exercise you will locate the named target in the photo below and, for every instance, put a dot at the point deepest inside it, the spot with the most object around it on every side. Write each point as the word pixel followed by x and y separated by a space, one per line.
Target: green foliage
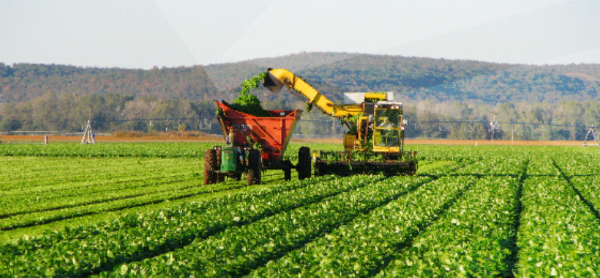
pixel 249 103
pixel 309 107
pixel 255 145
pixel 493 211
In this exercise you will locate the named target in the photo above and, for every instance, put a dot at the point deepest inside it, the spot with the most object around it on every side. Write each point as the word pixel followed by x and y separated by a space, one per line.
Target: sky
pixel 172 33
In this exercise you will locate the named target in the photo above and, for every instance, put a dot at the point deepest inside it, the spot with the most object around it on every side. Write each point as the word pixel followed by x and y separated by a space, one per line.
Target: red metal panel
pixel 273 133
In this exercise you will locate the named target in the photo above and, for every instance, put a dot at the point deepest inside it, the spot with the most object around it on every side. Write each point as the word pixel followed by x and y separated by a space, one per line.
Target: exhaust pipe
pixel 272 83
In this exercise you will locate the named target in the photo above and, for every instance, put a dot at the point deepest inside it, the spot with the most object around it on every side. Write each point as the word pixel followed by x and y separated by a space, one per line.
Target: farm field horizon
pixel 174 137
pixel 140 209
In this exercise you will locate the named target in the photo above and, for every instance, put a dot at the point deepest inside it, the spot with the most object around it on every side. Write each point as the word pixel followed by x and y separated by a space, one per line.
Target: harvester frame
pixel 374 142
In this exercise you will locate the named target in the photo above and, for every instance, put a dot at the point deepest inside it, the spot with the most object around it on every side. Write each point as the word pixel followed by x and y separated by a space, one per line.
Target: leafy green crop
pixel 471 211
pixel 249 103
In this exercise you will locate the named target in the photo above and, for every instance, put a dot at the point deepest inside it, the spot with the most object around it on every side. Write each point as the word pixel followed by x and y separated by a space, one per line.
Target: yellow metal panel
pixel 290 80
pixel 349 141
pixel 381 96
pixel 379 149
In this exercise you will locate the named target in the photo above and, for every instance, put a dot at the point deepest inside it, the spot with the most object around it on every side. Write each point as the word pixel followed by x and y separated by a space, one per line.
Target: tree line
pixel 567 120
pixel 443 98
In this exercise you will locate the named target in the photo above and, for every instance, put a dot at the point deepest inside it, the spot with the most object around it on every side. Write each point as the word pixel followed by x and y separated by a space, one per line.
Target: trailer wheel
pixel 287 174
pixel 304 164
pixel 254 168
pixel 210 164
pixel 220 177
pixel 250 177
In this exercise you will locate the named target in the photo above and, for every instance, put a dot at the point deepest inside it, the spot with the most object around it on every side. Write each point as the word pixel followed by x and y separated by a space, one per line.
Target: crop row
pixel 100 247
pixel 360 247
pixel 559 234
pixel 13 205
pixel 177 191
pixel 93 248
pixel 44 171
pixel 237 250
pixel 159 150
pixel 474 238
pixel 49 216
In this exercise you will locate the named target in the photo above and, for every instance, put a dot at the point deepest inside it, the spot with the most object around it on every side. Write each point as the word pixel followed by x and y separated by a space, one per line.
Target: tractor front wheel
pixel 220 177
pixel 210 164
pixel 254 168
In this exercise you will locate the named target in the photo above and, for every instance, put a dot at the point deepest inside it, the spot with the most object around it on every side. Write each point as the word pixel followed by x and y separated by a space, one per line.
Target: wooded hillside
pixel 58 97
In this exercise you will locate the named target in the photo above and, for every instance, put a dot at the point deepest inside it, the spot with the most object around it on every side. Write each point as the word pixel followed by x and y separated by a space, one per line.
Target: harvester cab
pixel 388 127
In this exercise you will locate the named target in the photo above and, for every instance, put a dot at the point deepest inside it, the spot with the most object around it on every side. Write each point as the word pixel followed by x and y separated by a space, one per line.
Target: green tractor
pixel 232 161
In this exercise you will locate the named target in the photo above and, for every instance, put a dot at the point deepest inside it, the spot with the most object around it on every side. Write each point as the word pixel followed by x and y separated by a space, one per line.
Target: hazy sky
pixel 144 33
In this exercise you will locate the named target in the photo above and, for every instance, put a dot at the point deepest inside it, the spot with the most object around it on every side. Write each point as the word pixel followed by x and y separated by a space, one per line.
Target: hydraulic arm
pixel 277 78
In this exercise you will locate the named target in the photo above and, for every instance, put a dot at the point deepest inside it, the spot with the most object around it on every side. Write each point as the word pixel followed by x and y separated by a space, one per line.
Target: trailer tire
pixel 250 177
pixel 304 163
pixel 220 177
pixel 287 174
pixel 254 168
pixel 210 164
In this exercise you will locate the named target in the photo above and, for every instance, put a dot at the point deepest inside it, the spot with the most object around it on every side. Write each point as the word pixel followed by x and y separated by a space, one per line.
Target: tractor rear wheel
pixel 220 177
pixel 254 168
pixel 210 164
pixel 304 164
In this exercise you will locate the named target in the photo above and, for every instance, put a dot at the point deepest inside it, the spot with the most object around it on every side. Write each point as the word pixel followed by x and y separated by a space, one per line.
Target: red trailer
pixel 272 135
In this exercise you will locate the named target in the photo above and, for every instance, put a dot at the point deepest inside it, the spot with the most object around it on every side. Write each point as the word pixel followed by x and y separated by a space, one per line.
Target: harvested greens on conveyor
pixel 249 103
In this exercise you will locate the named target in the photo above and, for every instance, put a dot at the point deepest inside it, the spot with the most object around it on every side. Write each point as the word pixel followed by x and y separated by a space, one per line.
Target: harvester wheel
pixel 413 169
pixel 304 164
pixel 318 171
pixel 210 163
pixel 220 177
pixel 254 167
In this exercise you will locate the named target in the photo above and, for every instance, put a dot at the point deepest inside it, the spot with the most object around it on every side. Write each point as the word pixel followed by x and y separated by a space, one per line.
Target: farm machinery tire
pixel 304 163
pixel 287 174
pixel 220 177
pixel 318 169
pixel 254 168
pixel 210 164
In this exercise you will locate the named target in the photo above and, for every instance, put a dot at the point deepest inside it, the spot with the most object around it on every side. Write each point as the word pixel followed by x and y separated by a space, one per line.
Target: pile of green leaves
pixel 247 102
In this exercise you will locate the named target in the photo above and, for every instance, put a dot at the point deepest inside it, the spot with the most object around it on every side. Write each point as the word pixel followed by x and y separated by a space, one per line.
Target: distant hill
pixel 411 78
pixel 21 82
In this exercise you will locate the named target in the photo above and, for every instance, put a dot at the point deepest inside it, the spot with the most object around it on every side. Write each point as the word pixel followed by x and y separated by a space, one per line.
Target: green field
pixel 140 209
